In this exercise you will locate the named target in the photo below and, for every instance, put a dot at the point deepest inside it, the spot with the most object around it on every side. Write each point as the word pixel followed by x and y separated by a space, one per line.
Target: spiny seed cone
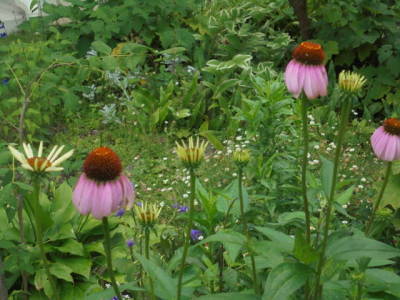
pixel 102 164
pixel 309 53
pixel 392 126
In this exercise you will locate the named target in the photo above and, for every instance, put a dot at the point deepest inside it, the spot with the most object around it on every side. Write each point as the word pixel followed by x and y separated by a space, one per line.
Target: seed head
pixel 241 156
pixel 147 214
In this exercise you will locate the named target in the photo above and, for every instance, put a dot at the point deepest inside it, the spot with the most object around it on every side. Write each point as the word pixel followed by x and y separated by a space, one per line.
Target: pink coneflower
pixel 306 71
pixel 102 188
pixel 385 140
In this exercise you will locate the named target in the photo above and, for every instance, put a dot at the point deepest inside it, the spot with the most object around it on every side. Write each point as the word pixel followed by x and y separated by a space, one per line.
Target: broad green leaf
pixel 209 135
pixel 62 207
pixel 392 192
pixel 101 47
pixel 345 196
pixel 78 265
pixel 233 241
pixel 302 250
pixel 326 176
pixel 71 246
pixel 284 280
pixel 355 247
pixel 382 280
pixel 228 200
pixel 61 271
pixel 165 285
pixel 280 239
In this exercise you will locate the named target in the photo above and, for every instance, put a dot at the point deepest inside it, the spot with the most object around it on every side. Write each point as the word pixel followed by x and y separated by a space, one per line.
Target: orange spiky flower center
pixel 392 126
pixel 38 162
pixel 102 164
pixel 309 53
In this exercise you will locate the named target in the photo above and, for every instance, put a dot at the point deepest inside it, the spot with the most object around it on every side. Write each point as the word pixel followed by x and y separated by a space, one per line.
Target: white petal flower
pixel 38 163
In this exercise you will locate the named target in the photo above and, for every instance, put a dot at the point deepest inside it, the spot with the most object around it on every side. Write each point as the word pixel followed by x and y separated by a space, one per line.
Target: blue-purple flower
pixel 120 212
pixel 196 235
pixel 3 34
pixel 183 209
pixel 5 81
pixel 130 243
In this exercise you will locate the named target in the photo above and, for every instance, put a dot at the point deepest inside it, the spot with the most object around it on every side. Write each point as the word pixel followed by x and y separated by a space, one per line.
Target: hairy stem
pixel 304 105
pixel 342 130
pixel 189 227
pixel 147 255
pixel 247 233
pixel 378 201
pixel 107 249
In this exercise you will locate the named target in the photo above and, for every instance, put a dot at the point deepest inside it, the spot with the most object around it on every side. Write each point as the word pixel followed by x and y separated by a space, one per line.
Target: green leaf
pixel 233 241
pixel 284 280
pixel 78 265
pixel 302 250
pixel 326 176
pixel 281 240
pixel 101 47
pixel 382 280
pixel 228 200
pixel 209 135
pixel 61 271
pixel 71 246
pixel 62 207
pixel 392 192
pixel 345 196
pixel 163 282
pixel 182 113
pixel 109 293
pixel 355 247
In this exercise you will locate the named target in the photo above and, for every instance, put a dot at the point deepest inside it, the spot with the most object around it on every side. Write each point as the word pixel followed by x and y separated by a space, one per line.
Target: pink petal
pixel 117 195
pixel 310 87
pixel 80 194
pixel 129 191
pixel 386 146
pixel 292 78
pixel 103 207
pixel 322 78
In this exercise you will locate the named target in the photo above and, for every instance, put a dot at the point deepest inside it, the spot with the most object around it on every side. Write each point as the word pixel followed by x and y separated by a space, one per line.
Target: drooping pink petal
pixel 117 194
pixel 292 78
pixel 103 201
pixel 322 78
pixel 386 146
pixel 129 192
pixel 310 84
pixel 79 190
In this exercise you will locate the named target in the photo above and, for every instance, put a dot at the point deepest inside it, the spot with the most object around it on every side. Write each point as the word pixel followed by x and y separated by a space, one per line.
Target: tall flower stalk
pixel 306 77
pixel 241 158
pixel 385 142
pixel 39 165
pixel 107 249
pixel 39 234
pixel 191 155
pixel 349 83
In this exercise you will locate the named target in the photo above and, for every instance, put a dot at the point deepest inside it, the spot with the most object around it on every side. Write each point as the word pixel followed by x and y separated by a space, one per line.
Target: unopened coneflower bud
pixel 241 156
pixel 191 154
pixel 351 82
pixel 147 214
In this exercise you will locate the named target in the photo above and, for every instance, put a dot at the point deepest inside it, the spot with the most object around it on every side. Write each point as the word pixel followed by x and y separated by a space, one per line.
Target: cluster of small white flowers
pixel 314 162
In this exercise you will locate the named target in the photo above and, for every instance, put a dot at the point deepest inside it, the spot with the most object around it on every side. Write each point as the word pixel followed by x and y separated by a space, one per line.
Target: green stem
pixel 342 130
pixel 189 227
pixel 147 254
pixel 304 105
pixel 39 235
pixel 107 249
pixel 378 201
pixel 246 232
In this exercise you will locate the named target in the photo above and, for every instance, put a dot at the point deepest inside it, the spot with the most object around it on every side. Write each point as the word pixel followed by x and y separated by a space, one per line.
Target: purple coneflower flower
pixel 130 243
pixel 196 235
pixel 102 188
pixel 385 140
pixel 306 71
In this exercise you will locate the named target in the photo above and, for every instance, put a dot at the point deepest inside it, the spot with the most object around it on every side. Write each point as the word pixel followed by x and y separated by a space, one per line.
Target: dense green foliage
pixel 139 75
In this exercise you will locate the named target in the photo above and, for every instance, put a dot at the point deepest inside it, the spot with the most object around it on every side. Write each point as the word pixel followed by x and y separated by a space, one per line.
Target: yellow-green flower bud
pixel 241 156
pixel 147 214
pixel 191 154
pixel 351 81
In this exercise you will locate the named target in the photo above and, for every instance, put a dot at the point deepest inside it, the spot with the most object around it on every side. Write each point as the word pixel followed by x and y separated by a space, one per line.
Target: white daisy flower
pixel 38 163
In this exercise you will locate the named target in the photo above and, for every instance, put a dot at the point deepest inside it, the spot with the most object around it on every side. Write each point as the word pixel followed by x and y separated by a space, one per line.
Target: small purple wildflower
pixel 175 205
pixel 120 212
pixel 183 209
pixel 130 243
pixel 5 81
pixel 3 34
pixel 196 235
pixel 114 298
pixel 2 26
pixel 140 204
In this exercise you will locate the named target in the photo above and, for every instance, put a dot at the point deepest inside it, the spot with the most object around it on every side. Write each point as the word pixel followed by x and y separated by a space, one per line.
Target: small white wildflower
pixel 344 205
pixel 185 195
pixel 162 203
pixel 316 147
pixel 363 179
pixel 345 222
